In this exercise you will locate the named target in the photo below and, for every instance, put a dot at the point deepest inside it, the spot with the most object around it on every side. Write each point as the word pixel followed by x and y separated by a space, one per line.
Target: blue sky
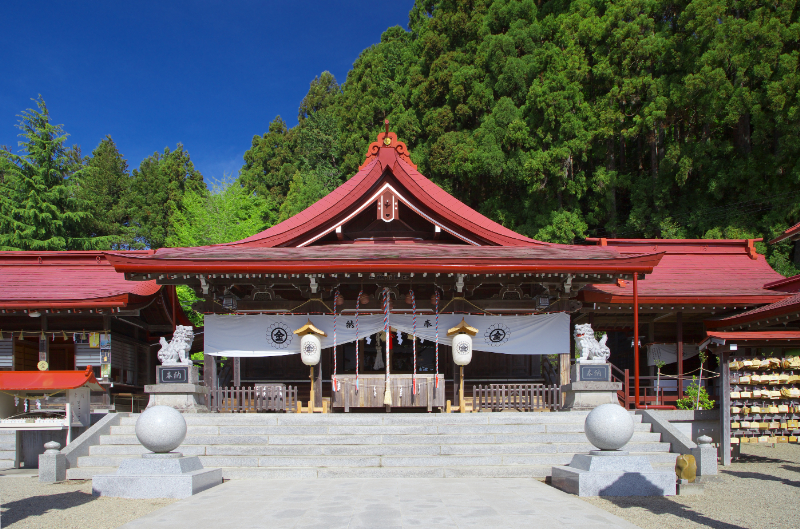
pixel 208 74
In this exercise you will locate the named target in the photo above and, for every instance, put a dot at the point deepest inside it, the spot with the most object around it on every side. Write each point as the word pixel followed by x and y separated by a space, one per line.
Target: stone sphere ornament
pixel 310 349
pixel 161 429
pixel 609 427
pixel 462 349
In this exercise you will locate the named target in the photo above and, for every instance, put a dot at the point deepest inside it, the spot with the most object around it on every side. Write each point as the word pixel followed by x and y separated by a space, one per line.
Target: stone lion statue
pixel 176 352
pixel 590 349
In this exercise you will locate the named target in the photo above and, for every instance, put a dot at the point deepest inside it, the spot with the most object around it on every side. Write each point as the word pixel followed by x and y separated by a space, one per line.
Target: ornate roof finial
pixel 387 140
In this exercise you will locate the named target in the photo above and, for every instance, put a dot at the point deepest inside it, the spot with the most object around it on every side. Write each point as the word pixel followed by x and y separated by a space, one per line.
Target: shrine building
pixel 391 295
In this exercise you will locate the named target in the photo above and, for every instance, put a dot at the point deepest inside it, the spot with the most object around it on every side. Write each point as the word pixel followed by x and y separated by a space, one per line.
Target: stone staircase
pixel 374 445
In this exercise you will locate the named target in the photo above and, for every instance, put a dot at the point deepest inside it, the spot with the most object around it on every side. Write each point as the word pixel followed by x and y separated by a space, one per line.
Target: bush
pixel 688 402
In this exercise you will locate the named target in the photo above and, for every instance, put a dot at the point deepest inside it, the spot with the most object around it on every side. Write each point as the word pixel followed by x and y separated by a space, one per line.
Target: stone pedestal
pixel 613 473
pixel 589 395
pixel 178 387
pixel 590 386
pixel 157 476
pixel 52 464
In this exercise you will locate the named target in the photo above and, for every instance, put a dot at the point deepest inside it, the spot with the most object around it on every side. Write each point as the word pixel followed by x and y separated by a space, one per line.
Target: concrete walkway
pixel 380 503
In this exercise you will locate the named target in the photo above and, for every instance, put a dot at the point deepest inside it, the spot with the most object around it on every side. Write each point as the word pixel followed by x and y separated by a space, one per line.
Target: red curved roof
pixel 48 380
pixel 693 271
pixel 791 233
pixel 385 258
pixel 66 280
pixel 447 210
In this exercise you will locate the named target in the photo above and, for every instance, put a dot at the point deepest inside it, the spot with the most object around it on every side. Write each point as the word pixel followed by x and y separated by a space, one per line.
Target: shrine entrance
pixel 380 279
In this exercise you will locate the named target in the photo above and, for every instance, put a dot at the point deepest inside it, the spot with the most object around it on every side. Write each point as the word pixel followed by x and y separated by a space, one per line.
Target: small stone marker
pixel 52 464
pixel 161 473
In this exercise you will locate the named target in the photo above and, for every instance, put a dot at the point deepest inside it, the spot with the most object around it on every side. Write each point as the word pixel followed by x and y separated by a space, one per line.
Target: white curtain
pixel 272 335
pixel 668 352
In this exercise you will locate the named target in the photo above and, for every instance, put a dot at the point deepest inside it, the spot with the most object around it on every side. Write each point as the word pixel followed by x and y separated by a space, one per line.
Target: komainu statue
pixel 176 352
pixel 590 349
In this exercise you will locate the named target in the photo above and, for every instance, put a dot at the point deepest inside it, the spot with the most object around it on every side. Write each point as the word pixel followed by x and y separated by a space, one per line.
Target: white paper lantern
pixel 310 349
pixel 462 349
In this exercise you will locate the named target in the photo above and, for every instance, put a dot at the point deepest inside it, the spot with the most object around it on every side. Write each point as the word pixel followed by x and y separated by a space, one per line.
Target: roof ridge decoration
pixel 387 140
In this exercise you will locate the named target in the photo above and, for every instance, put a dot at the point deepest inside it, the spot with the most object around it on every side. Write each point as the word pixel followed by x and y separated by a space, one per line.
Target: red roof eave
pixel 47 380
pixel 590 296
pixel 640 264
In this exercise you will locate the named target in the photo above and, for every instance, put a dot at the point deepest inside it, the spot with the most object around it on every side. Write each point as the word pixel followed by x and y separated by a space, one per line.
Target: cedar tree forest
pixel 560 120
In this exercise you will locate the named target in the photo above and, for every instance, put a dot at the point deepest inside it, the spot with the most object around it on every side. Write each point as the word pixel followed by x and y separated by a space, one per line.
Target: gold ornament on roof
pixel 463 328
pixel 309 328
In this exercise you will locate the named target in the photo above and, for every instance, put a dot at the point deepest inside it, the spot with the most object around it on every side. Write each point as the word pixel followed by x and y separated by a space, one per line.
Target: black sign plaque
pixel 173 375
pixel 595 373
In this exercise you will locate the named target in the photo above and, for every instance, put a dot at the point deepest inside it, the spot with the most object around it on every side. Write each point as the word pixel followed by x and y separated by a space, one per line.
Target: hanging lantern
pixel 462 342
pixel 310 344
pixel 310 349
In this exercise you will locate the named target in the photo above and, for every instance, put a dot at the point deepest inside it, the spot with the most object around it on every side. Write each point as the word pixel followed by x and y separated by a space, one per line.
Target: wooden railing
pixel 274 397
pixel 550 373
pixel 519 397
pixel 649 395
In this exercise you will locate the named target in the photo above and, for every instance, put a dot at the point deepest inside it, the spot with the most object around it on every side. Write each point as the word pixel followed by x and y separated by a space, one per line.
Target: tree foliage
pixel 228 213
pixel 561 120
pixel 104 187
pixel 157 190
pixel 38 207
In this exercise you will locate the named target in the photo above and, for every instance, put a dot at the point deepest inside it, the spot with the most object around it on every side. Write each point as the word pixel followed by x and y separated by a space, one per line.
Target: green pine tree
pixel 103 189
pixel 38 207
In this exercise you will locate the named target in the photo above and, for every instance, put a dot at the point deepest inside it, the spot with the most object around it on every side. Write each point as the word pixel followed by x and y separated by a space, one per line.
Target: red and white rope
pixel 414 341
pixel 437 338
pixel 358 303
pixel 335 301
pixel 386 328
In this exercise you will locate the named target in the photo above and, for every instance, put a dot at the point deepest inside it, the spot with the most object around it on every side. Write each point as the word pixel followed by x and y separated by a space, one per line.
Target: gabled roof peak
pixel 387 141
pixel 387 160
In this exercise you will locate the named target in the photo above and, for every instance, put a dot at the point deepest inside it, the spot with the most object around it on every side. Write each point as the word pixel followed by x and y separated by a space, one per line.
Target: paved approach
pixel 381 503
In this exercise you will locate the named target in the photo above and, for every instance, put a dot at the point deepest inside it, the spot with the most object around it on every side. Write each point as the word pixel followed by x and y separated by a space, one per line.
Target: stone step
pixel 379 430
pixel 371 461
pixel 373 419
pixel 517 471
pixel 373 450
pixel 331 439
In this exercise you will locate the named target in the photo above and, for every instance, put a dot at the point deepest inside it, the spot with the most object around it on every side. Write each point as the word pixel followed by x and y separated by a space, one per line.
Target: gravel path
pixel 28 504
pixel 761 490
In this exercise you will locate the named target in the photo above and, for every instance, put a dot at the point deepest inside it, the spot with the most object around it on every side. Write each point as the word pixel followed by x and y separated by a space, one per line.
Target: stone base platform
pixel 613 473
pixel 584 396
pixel 186 398
pixel 157 476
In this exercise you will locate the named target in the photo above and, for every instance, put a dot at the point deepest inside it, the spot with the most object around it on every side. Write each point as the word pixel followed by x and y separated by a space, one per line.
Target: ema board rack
pixel 765 400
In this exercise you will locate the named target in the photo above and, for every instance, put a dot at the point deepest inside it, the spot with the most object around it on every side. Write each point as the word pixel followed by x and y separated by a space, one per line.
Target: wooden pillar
pixel 461 389
pixel 209 371
pixel 318 384
pixel 44 343
pixel 237 371
pixel 725 408
pixel 679 332
pixel 636 338
pixel 174 296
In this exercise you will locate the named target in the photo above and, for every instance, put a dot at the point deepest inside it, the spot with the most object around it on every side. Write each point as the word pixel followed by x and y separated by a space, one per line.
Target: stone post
pixel 52 464
pixel 706 456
